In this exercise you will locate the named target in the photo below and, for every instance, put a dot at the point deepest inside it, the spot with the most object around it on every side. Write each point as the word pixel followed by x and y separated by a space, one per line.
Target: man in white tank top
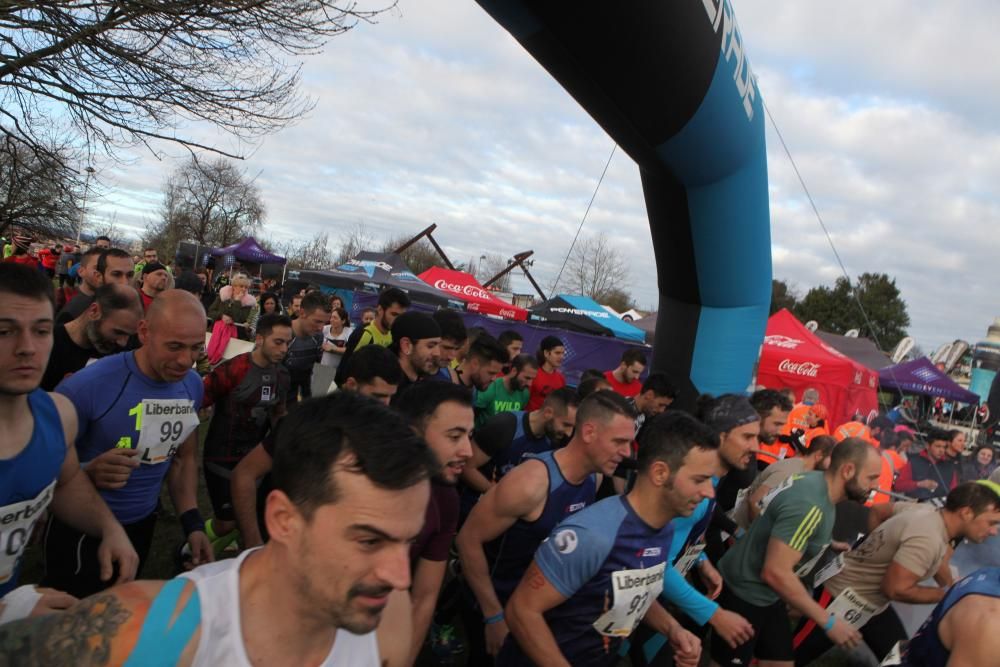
pixel 329 588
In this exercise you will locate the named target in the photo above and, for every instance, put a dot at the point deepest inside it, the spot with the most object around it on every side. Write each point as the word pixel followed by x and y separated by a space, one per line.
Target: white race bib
pixel 773 493
pixel 895 656
pixel 805 568
pixel 690 557
pixel 166 423
pixel 634 592
pixel 830 570
pixel 853 609
pixel 16 523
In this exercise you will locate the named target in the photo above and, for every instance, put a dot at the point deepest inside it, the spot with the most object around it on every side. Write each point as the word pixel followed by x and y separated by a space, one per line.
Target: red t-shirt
pixel 544 383
pixel 627 390
pixel 440 525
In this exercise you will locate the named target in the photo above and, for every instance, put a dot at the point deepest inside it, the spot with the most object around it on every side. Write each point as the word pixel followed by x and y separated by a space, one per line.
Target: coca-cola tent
pixel 478 299
pixel 794 357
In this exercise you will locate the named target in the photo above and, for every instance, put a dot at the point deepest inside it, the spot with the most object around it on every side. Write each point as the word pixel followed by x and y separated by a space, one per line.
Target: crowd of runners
pixel 449 499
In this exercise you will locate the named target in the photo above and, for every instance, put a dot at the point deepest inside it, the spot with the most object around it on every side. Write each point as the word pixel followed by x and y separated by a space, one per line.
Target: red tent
pixel 467 288
pixel 794 357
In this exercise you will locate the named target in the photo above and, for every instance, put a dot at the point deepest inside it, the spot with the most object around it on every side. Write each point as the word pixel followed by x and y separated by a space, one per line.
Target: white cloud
pixel 436 114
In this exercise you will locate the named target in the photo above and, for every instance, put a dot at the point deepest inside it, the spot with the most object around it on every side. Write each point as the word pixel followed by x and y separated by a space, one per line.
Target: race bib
pixel 830 570
pixel 773 493
pixel 805 568
pixel 853 609
pixel 16 523
pixel 690 557
pixel 895 656
pixel 166 423
pixel 634 592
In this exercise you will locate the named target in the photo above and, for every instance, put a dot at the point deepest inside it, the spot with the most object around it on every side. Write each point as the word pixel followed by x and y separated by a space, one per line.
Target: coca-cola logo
pixel 804 368
pixel 782 341
pixel 467 290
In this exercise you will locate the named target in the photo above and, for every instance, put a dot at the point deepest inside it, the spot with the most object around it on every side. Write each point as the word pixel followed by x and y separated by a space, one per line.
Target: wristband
pixel 191 522
pixel 829 623
pixel 19 603
pixel 702 557
pixel 493 619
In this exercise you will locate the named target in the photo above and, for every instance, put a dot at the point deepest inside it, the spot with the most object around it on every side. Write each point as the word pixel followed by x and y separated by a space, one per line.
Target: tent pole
pixel 428 233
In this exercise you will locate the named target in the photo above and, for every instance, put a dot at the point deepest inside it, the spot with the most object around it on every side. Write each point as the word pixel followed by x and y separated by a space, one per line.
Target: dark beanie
pixel 415 326
pixel 728 412
pixel 153 266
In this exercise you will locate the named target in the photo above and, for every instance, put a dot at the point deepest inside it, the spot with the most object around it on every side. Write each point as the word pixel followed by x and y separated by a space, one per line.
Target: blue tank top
pixel 510 554
pixel 27 482
pixel 926 649
pixel 609 564
pixel 118 406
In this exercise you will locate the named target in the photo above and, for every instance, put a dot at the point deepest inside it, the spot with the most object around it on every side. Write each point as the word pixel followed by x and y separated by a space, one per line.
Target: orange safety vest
pixel 854 430
pixel 796 420
pixel 815 432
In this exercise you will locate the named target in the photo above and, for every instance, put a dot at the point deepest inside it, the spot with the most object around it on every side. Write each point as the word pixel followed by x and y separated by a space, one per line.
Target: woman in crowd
pixel 270 304
pixel 551 353
pixel 335 335
pixel 980 465
pixel 232 311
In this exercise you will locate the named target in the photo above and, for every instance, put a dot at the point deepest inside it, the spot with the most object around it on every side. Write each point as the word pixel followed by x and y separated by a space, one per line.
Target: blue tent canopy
pixel 581 313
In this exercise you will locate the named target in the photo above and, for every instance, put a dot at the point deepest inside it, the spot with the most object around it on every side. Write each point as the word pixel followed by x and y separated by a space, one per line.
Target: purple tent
pixel 921 376
pixel 248 251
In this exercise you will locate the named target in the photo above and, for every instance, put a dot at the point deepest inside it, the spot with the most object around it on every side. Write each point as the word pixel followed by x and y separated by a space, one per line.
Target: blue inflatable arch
pixel 670 82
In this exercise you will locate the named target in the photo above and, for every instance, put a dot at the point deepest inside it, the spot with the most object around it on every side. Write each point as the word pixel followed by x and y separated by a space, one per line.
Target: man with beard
pixel 774 409
pixel 481 365
pixel 415 340
pixel 816 457
pixel 601 570
pixel 154 282
pixel 625 378
pixel 453 337
pixel 104 328
pixel 504 440
pixel 39 469
pixel 762 571
pixel 440 413
pixel 351 485
pixel 248 393
pixel 508 393
pixel 90 280
pixel 500 536
pixel 931 474
pixel 392 303
pixel 889 566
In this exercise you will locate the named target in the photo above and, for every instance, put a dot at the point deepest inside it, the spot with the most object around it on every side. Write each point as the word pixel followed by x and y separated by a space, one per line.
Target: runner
pixel 248 393
pixel 415 341
pixel 816 457
pixel 453 337
pixel 137 429
pixel 482 364
pixel 889 565
pixel 39 469
pixel 154 282
pixel 655 396
pixel 551 353
pixel 373 372
pixel 962 629
pixel 601 570
pixel 504 441
pixel 392 303
pixel 761 572
pixel 90 280
pixel 327 589
pixel 441 414
pixel 306 348
pixel 513 342
pixel 625 378
pixel 104 328
pixel 115 267
pixel 499 538
pixel 508 393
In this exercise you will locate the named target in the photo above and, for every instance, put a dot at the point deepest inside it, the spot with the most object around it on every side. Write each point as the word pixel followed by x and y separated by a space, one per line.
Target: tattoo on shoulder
pixel 81 636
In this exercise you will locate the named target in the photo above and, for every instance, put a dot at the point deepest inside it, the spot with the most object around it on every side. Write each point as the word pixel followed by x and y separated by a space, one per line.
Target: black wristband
pixel 191 521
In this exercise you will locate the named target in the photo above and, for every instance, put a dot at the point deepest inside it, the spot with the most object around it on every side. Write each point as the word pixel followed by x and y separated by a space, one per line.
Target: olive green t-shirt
pixel 801 516
pixel 771 476
pixel 916 539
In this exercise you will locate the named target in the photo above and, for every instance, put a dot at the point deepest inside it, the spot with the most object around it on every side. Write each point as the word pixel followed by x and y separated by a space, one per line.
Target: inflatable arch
pixel 671 84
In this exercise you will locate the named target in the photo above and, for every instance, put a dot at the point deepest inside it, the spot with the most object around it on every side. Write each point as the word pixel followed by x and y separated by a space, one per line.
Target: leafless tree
pixel 210 202
pixel 110 228
pixel 491 264
pixel 596 268
pixel 38 192
pixel 313 254
pixel 419 257
pixel 353 241
pixel 126 72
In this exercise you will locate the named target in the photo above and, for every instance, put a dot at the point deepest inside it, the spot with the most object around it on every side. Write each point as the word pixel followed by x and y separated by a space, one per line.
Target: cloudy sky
pixel 436 114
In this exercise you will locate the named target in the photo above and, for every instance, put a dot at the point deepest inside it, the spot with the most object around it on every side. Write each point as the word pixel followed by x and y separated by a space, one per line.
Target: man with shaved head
pixel 138 414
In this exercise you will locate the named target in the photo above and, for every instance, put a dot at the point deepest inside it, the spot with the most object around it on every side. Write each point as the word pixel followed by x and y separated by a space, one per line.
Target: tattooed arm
pixel 100 630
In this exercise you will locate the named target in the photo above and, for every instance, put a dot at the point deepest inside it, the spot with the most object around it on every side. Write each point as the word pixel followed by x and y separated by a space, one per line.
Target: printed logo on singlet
pixel 16 523
pixel 575 507
pixel 565 541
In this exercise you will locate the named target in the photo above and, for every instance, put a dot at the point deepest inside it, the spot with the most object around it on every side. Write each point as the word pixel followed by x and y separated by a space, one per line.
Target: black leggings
pixel 71 563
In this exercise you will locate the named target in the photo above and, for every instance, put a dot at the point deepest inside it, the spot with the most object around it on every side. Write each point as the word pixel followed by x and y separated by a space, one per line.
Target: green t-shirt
pixel 800 515
pixel 497 398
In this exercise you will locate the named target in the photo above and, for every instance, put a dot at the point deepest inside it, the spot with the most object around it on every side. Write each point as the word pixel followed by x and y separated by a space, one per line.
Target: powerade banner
pixel 671 82
pixel 583 351
pixel 580 313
